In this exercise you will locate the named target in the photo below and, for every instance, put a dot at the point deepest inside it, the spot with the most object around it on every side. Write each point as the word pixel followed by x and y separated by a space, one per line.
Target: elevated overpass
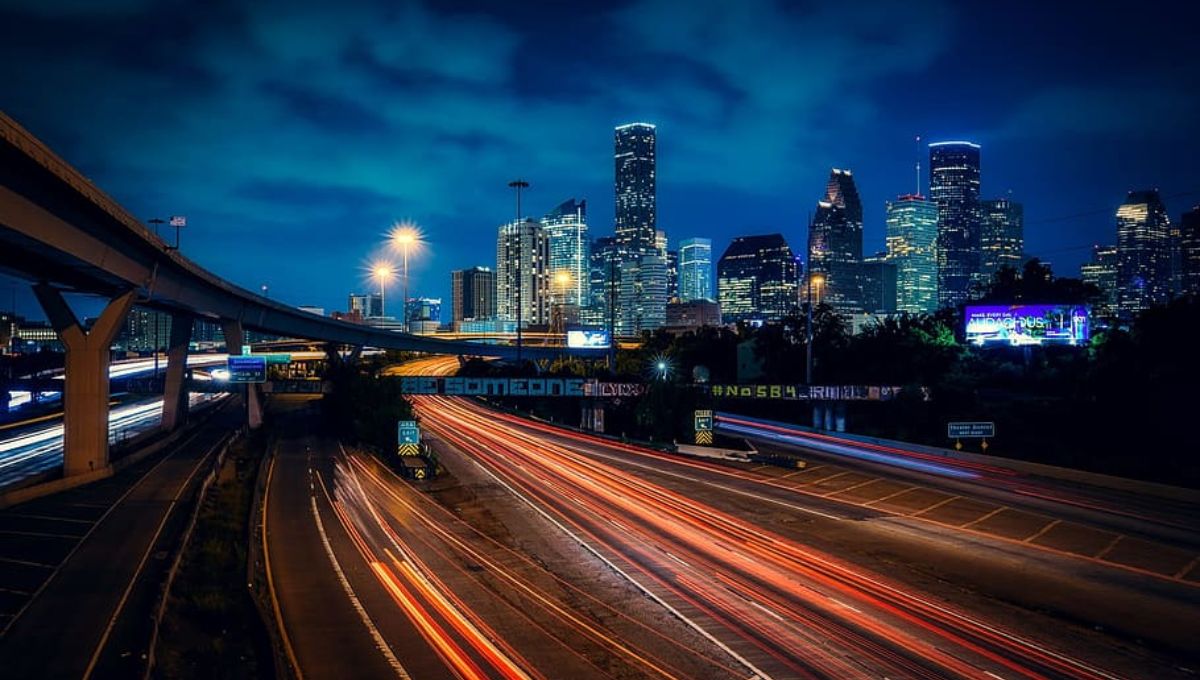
pixel 63 234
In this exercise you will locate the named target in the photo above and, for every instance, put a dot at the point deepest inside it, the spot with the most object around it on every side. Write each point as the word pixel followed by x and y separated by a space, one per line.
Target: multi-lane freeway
pixel 553 553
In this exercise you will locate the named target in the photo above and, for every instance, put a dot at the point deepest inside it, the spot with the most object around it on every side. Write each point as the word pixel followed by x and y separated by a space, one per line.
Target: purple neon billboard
pixel 1027 324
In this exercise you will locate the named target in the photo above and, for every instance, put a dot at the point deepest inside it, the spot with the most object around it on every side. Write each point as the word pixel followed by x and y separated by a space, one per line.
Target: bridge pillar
pixel 175 393
pixel 235 337
pixel 85 389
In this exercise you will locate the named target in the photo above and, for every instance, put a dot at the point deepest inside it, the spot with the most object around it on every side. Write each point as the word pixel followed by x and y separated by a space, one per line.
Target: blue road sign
pixel 243 369
pixel 970 430
pixel 407 432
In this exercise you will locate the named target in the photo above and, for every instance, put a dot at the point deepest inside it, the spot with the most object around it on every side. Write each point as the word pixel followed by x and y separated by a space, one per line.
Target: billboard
pixel 1027 324
pixel 588 339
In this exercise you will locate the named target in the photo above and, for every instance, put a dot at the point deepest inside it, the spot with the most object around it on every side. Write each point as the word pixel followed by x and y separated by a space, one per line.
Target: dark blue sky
pixel 293 135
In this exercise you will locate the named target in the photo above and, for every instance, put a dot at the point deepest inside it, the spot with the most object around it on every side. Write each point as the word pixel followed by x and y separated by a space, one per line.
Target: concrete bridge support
pixel 235 337
pixel 85 392
pixel 175 394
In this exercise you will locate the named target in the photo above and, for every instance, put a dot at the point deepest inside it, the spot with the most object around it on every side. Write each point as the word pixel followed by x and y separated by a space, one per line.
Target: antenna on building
pixel 918 165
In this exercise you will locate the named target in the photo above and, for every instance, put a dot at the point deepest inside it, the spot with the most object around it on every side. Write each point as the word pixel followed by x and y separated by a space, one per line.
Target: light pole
pixel 561 279
pixel 808 328
pixel 383 272
pixel 518 184
pixel 404 237
pixel 266 291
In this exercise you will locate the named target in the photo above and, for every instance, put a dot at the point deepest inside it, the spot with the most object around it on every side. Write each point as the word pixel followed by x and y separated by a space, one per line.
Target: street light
pixel 560 281
pixel 405 235
pixel 382 271
pixel 808 334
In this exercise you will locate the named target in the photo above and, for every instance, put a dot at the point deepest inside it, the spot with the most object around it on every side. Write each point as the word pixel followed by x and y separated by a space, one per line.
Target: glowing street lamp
pixel 384 272
pixel 819 279
pixel 404 236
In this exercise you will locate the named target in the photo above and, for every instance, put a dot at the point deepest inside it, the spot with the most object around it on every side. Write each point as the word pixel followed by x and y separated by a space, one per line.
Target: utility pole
pixel 518 184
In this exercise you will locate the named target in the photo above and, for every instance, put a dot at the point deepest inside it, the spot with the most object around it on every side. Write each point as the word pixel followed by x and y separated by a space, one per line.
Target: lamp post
pixel 383 272
pixel 518 184
pixel 561 280
pixel 404 237
pixel 808 328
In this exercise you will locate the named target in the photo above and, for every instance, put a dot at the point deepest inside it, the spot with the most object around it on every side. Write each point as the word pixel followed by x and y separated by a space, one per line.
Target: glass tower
pixel 912 224
pixel 1001 237
pixel 757 279
pixel 473 294
pixel 835 240
pixel 695 269
pixel 634 152
pixel 954 187
pixel 567 231
pixel 1101 272
pixel 522 276
pixel 1143 253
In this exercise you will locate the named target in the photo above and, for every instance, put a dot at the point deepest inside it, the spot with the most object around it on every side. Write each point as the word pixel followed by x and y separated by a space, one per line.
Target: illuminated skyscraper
pixel 757 279
pixel 604 307
pixel 522 276
pixel 1001 237
pixel 643 304
pixel 954 187
pixel 912 225
pixel 473 294
pixel 695 269
pixel 1143 253
pixel 1189 252
pixel 835 240
pixel 634 152
pixel 567 231
pixel 1101 272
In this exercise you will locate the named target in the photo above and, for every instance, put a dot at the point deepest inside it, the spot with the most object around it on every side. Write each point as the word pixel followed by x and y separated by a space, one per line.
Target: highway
pixel 34 446
pixel 802 583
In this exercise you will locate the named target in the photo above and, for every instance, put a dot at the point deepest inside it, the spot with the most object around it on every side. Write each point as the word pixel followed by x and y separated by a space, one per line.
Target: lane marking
pixel 800 472
pixel 1187 567
pixel 826 479
pixel 935 506
pixel 855 486
pixel 287 641
pixel 1108 548
pixel 891 495
pixel 1041 532
pixel 985 517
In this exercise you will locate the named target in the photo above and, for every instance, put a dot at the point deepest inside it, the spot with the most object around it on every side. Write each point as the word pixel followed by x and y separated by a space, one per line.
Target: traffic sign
pixel 244 369
pixel 408 438
pixel 704 437
pixel 704 420
pixel 970 430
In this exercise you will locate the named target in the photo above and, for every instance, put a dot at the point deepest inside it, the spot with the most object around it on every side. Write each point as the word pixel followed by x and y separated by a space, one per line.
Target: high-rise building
pixel 954 187
pixel 367 306
pixel 693 314
pixel 757 279
pixel 912 225
pixel 567 231
pixel 634 152
pixel 1001 236
pixel 423 309
pixel 878 285
pixel 1101 272
pixel 522 276
pixel 1143 253
pixel 605 288
pixel 145 330
pixel 835 240
pixel 472 294
pixel 1189 252
pixel 643 296
pixel 695 269
pixel 672 275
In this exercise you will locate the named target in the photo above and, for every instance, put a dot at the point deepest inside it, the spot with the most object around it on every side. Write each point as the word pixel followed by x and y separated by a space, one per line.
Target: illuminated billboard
pixel 588 339
pixel 1027 324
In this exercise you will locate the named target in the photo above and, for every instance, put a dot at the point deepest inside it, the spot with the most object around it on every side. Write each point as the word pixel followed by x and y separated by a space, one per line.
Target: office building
pixel 423 309
pixel 757 279
pixel 1101 272
pixel 634 152
pixel 835 243
pixel 672 275
pixel 954 187
pixel 472 294
pixel 693 314
pixel 1001 237
pixel 878 277
pixel 567 232
pixel 367 306
pixel 911 235
pixel 145 330
pixel 1189 252
pixel 695 269
pixel 522 276
pixel 1144 275
pixel 643 294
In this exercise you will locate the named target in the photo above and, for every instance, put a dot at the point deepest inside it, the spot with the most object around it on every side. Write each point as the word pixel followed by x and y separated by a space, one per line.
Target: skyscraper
pixel 672 275
pixel 912 225
pixel 634 152
pixel 643 304
pixel 954 187
pixel 757 279
pixel 567 231
pixel 473 294
pixel 1001 237
pixel 695 269
pixel 605 288
pixel 1189 252
pixel 835 240
pixel 1101 272
pixel 878 285
pixel 1143 253
pixel 522 277
pixel 367 306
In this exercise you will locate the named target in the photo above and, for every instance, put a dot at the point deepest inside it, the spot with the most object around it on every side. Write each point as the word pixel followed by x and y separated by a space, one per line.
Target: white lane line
pixel 380 643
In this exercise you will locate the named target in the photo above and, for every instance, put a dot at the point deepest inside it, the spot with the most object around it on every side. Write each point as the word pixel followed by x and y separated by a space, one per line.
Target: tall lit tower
pixel 1143 253
pixel 912 223
pixel 1189 252
pixel 570 248
pixel 695 269
pixel 522 279
pixel 954 187
pixel 634 153
pixel 1001 236
pixel 835 240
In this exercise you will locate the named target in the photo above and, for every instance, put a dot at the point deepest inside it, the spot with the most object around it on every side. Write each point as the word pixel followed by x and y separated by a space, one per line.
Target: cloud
pixel 1136 111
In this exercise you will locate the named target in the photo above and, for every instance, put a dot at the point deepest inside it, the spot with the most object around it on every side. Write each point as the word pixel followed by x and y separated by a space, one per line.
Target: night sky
pixel 293 137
